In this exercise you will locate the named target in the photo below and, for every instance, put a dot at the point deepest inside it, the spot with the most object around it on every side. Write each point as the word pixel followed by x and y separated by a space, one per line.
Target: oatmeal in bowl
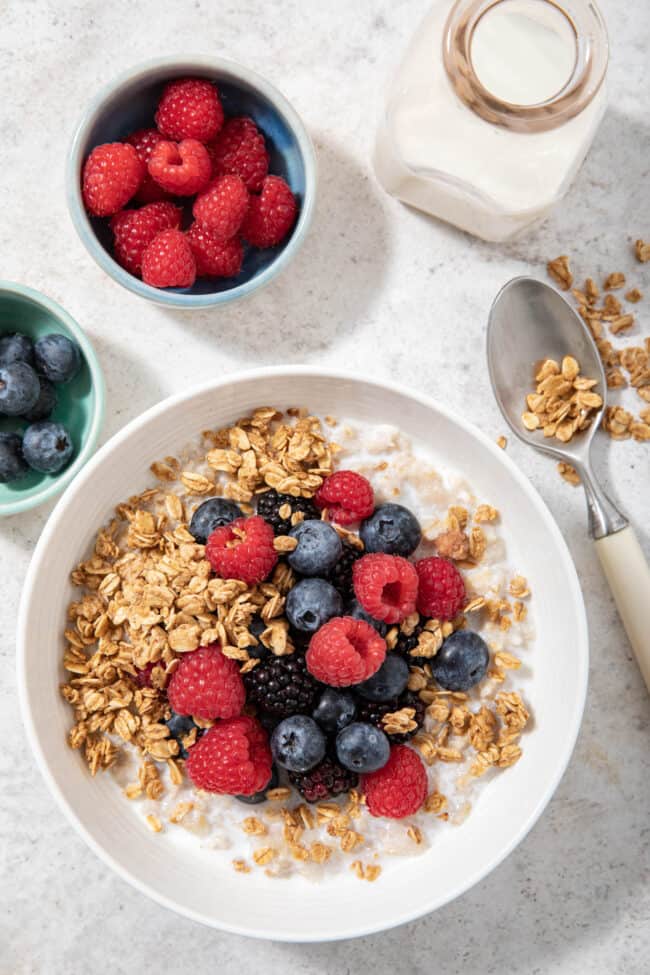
pixel 254 655
pixel 302 644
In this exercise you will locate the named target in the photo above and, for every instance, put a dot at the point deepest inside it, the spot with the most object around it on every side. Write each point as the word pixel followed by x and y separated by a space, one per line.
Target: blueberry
pixel 319 548
pixel 12 462
pixel 393 529
pixel 47 446
pixel 19 388
pixel 357 612
pixel 256 627
pixel 298 743
pixel 44 405
pixel 57 357
pixel 389 681
pixel 311 603
pixel 362 748
pixel 213 513
pixel 335 710
pixel 461 661
pixel 261 795
pixel 179 726
pixel 16 348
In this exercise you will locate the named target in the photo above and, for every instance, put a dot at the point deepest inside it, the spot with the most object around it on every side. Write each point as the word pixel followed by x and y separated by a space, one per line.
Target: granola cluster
pixel 148 596
pixel 564 402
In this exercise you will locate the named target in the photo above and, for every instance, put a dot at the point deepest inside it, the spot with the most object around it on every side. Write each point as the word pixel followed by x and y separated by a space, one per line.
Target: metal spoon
pixel 530 321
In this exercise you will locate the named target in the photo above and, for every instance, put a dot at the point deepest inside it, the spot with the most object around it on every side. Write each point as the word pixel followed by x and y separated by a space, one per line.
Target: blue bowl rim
pixel 99 389
pixel 82 223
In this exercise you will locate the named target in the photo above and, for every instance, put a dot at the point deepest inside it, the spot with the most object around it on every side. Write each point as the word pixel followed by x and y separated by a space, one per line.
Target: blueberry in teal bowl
pixel 191 182
pixel 51 398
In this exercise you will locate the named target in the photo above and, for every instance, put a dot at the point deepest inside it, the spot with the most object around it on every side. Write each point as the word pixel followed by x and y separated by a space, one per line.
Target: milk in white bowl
pixel 493 110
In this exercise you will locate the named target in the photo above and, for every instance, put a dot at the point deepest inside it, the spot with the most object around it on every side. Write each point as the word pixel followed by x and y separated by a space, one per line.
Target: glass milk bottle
pixel 493 110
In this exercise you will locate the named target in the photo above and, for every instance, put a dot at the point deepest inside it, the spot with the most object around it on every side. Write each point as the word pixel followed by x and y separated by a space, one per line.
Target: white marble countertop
pixel 374 281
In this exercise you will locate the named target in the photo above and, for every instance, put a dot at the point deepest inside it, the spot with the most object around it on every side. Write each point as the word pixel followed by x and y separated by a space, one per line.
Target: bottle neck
pixel 526 65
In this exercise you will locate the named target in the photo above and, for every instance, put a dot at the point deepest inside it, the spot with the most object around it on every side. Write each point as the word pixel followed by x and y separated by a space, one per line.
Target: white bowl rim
pixel 580 649
pixel 49 491
pixel 87 235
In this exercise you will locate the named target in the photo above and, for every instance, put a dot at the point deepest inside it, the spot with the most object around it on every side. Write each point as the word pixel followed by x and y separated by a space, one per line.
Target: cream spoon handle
pixel 628 575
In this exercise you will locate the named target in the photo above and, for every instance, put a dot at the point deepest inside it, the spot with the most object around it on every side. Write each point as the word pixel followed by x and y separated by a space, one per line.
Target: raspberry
pixel 282 686
pixel 111 175
pixel 442 590
pixel 372 712
pixel 143 142
pixel 222 207
pixel 347 496
pixel 207 685
pixel 215 258
pixel 189 109
pixel 399 788
pixel 239 149
pixel 270 215
pixel 133 231
pixel 233 758
pixel 242 550
pixel 183 168
pixel 168 261
pixel 386 586
pixel 326 781
pixel 269 504
pixel 345 651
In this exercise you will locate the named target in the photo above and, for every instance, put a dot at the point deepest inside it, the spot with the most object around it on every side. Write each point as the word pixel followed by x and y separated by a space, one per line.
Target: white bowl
pixel 205 887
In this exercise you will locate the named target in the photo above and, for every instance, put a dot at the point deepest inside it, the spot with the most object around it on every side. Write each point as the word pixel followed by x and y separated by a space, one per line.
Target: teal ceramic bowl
pixel 129 103
pixel 80 403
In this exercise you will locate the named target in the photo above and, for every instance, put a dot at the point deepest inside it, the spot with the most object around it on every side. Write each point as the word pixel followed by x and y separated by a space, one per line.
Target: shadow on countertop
pixel 327 291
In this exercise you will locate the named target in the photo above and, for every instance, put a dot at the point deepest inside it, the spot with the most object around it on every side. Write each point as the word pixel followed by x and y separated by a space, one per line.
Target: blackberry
pixel 325 781
pixel 405 644
pixel 282 686
pixel 270 502
pixel 341 575
pixel 372 713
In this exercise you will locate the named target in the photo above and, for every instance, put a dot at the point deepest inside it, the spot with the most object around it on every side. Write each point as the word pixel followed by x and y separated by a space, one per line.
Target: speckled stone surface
pixel 374 282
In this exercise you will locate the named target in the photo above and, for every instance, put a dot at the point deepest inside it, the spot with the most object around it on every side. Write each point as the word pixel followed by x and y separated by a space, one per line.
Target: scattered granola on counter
pixel 627 367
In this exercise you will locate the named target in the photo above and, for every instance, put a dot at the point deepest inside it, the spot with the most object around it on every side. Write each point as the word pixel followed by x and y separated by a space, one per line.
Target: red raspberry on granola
pixel 243 550
pixel 207 685
pixel 347 496
pixel 399 788
pixel 232 758
pixel 386 586
pixel 345 651
pixel 441 592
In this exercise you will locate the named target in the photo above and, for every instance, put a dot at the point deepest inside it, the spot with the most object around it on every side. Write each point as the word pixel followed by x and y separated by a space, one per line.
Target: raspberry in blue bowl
pixel 162 144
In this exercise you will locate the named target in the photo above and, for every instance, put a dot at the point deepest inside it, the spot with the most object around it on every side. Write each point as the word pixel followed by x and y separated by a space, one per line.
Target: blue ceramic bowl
pixel 80 404
pixel 130 102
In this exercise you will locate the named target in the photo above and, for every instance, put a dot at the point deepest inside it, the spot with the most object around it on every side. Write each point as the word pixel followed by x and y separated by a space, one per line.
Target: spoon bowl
pixel 529 322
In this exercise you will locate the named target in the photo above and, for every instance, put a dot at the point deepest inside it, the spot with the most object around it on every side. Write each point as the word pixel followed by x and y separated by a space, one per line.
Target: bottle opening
pixel 528 65
pixel 524 51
